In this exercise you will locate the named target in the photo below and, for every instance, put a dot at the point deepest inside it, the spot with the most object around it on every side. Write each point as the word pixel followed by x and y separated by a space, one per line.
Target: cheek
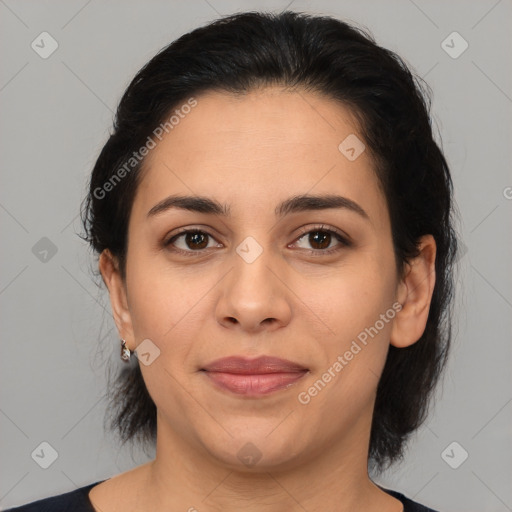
pixel 358 310
pixel 168 305
pixel 353 358
pixel 354 298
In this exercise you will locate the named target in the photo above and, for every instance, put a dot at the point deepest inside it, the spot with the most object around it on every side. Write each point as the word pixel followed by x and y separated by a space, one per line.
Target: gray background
pixel 57 331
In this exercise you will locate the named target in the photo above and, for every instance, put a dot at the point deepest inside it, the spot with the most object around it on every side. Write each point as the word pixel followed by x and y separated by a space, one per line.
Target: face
pixel 314 286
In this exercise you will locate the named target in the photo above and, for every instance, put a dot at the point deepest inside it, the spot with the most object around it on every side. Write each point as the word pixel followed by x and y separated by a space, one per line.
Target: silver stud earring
pixel 125 352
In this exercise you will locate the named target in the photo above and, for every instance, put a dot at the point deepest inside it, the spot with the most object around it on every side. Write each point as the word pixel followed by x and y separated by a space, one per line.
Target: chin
pixel 260 452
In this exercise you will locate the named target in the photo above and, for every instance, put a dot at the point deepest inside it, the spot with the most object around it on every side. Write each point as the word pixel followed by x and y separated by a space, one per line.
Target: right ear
pixel 109 268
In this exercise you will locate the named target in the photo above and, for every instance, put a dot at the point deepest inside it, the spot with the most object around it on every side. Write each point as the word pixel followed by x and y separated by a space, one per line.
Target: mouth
pixel 253 377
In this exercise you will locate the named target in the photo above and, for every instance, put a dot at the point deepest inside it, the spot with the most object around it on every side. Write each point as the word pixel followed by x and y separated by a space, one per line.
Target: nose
pixel 254 294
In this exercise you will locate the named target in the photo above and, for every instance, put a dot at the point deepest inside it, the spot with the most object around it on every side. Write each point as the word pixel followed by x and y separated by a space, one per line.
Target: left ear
pixel 415 293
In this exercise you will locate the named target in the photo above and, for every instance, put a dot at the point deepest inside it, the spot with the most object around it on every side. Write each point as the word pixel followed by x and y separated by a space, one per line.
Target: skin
pixel 252 152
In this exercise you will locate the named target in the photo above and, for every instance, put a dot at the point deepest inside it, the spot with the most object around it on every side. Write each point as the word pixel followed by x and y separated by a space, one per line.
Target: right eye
pixel 194 239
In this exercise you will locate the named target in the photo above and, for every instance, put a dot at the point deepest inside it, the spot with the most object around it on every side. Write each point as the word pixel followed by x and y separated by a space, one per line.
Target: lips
pixel 260 365
pixel 253 377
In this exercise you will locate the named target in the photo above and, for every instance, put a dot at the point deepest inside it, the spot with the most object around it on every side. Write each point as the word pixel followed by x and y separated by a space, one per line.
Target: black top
pixel 78 501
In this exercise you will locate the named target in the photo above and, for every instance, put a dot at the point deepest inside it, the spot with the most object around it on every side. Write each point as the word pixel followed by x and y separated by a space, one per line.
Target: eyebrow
pixel 299 203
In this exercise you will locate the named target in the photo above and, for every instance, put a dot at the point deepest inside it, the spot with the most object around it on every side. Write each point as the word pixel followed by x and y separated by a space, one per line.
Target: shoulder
pixel 76 501
pixel 409 505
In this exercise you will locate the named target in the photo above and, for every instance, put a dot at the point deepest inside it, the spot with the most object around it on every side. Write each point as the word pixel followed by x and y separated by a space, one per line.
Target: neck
pixel 186 477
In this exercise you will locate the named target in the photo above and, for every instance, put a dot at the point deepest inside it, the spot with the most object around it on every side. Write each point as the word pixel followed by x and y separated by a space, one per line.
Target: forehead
pixel 256 149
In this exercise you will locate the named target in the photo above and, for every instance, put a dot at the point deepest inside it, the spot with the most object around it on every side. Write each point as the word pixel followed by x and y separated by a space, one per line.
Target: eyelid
pixel 212 232
pixel 324 227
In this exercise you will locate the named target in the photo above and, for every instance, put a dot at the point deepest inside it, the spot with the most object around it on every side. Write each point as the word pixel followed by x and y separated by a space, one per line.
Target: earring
pixel 125 352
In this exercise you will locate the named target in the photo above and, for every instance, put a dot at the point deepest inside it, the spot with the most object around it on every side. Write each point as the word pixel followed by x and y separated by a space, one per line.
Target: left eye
pixel 322 239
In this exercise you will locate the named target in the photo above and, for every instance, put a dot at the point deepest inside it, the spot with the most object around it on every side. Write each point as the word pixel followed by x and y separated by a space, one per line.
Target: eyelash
pixel 344 242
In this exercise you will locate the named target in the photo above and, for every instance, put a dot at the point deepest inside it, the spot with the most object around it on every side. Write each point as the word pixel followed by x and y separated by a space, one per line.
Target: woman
pixel 273 220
